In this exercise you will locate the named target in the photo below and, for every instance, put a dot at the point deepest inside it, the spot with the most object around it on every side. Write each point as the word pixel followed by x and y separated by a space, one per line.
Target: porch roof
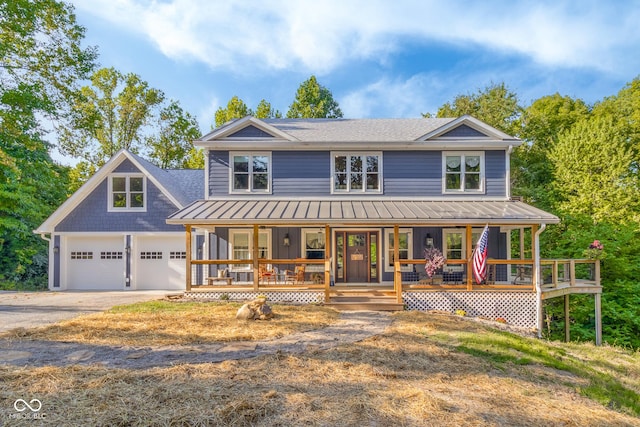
pixel 359 212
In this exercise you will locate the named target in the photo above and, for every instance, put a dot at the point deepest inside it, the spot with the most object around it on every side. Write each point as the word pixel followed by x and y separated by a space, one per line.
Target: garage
pixel 95 263
pixel 159 262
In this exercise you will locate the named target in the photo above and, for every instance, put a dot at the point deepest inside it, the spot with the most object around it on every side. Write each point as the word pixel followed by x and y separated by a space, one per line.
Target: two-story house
pixel 315 210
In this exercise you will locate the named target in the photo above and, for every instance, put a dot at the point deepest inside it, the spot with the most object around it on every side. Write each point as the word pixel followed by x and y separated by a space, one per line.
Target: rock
pixel 254 310
pixel 265 312
pixel 245 312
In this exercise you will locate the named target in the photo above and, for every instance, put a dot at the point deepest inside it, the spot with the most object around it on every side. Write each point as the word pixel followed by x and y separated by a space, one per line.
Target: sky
pixel 379 58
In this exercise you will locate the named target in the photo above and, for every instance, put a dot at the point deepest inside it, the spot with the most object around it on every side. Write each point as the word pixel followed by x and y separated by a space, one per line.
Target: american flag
pixel 480 256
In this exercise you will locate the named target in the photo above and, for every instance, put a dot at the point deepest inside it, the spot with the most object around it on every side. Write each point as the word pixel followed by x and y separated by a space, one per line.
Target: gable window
pixel 241 242
pixel 127 192
pixel 405 248
pixel 357 172
pixel 463 172
pixel 250 172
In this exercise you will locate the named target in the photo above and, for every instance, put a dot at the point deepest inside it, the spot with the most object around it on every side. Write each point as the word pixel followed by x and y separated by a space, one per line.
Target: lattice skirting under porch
pixel 290 297
pixel 517 308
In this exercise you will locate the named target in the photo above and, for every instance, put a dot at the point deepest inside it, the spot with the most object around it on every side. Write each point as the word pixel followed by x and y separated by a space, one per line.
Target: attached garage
pixel 94 263
pixel 159 262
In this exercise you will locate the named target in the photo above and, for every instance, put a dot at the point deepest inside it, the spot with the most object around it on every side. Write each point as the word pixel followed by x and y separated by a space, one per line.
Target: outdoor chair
pixel 266 275
pixel 296 276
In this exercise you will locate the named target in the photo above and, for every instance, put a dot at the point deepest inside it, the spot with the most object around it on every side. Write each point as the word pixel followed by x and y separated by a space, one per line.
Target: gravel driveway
pixel 29 309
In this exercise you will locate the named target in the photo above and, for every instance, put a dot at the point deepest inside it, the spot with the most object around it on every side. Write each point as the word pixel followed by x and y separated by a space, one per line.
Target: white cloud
pixel 323 35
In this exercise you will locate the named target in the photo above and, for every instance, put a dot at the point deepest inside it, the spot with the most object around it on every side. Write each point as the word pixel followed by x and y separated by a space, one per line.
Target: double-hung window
pixel 127 192
pixel 405 248
pixel 455 245
pixel 357 173
pixel 250 172
pixel 463 172
pixel 241 242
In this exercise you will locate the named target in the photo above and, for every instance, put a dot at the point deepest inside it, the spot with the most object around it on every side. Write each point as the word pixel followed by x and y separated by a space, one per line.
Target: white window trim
pixel 387 234
pixel 110 207
pixel 462 155
pixel 475 235
pixel 249 232
pixel 303 247
pixel 364 186
pixel 250 154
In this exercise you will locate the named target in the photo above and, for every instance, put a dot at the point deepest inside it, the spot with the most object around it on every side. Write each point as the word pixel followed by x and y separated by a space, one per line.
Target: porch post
pixel 256 270
pixel 469 257
pixel 188 260
pixel 567 329
pixel 327 263
pixel 534 256
pixel 397 274
pixel 598 319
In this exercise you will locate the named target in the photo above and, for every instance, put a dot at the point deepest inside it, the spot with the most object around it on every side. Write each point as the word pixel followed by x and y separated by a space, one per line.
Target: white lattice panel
pixel 294 297
pixel 517 308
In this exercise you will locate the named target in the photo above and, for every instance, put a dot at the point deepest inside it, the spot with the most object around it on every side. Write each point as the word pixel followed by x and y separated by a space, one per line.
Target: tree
pixel 41 64
pixel 313 101
pixel 172 142
pixel 236 109
pixel 265 111
pixel 496 105
pixel 594 172
pixel 110 116
pixel 542 124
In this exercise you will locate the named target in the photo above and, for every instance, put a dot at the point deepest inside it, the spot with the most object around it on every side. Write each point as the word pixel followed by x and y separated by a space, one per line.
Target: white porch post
pixel 535 236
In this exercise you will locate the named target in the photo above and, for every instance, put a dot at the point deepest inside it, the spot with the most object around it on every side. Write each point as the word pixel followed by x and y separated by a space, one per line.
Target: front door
pixel 357 256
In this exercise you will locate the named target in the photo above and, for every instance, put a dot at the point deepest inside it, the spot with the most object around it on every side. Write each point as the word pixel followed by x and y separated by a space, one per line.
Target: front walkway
pixel 353 326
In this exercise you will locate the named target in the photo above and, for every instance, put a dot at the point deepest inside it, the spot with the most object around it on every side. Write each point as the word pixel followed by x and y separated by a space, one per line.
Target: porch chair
pixel 296 276
pixel 267 275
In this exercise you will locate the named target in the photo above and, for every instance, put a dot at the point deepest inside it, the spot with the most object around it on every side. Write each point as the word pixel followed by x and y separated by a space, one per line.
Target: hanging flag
pixel 480 256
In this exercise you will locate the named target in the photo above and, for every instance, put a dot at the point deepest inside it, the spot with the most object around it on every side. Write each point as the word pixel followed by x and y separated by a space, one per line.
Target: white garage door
pixel 95 263
pixel 160 263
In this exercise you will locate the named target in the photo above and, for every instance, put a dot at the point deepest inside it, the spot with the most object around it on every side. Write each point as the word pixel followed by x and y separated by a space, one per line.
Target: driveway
pixel 30 309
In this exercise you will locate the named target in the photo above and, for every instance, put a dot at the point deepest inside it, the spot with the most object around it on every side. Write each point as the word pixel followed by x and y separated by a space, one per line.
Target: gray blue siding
pixel 405 174
pixel 91 214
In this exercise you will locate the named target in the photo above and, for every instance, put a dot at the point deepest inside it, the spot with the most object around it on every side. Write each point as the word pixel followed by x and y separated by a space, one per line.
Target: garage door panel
pixel 95 263
pixel 160 263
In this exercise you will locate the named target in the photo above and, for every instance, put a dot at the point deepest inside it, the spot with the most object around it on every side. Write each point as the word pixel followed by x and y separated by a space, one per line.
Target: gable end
pixel 250 132
pixel 463 131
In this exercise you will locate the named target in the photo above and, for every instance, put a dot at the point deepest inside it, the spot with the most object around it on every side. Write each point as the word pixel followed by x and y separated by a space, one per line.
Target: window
pixel 314 244
pixel 127 192
pixel 81 255
pixel 250 172
pixel 405 248
pixel 110 255
pixel 177 255
pixel 151 255
pixel 241 241
pixel 455 245
pixel 357 172
pixel 463 172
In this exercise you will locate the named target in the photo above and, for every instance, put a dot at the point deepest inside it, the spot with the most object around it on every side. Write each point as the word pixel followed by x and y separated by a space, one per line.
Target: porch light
pixel 286 241
pixel 428 241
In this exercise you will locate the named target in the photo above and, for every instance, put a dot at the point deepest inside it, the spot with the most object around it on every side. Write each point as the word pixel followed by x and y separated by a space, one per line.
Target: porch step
pixel 362 302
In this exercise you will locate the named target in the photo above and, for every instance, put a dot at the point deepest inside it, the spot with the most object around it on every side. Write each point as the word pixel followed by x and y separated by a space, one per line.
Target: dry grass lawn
pixel 425 369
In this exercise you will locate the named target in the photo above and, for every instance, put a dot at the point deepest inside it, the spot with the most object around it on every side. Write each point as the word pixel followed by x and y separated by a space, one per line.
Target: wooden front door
pixel 357 256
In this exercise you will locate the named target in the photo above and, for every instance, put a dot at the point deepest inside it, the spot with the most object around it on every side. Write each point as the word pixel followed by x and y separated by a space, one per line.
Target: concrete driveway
pixel 30 309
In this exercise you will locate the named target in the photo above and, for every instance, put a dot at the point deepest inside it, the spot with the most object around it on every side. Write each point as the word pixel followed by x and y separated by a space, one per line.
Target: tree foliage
pixel 41 63
pixel 313 101
pixel 237 109
pixel 110 116
pixel 495 105
pixel 172 143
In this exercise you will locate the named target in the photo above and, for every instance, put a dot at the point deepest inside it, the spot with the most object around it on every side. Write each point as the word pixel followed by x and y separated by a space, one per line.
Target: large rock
pixel 254 310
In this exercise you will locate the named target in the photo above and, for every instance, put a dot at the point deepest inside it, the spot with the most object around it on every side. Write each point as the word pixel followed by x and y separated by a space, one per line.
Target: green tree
pixel 265 111
pixel 542 123
pixel 236 109
pixel 594 174
pixel 314 101
pixel 171 144
pixel 111 116
pixel 495 105
pixel 42 62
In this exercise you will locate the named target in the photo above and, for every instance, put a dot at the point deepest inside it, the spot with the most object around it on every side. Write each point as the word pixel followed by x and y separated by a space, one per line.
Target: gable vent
pixel 463 131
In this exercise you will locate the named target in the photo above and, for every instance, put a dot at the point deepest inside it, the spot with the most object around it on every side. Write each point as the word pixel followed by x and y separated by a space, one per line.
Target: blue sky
pixel 379 58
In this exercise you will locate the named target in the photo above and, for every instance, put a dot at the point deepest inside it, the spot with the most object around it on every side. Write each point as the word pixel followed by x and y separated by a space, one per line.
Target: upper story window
pixel 127 192
pixel 250 172
pixel 463 172
pixel 357 173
